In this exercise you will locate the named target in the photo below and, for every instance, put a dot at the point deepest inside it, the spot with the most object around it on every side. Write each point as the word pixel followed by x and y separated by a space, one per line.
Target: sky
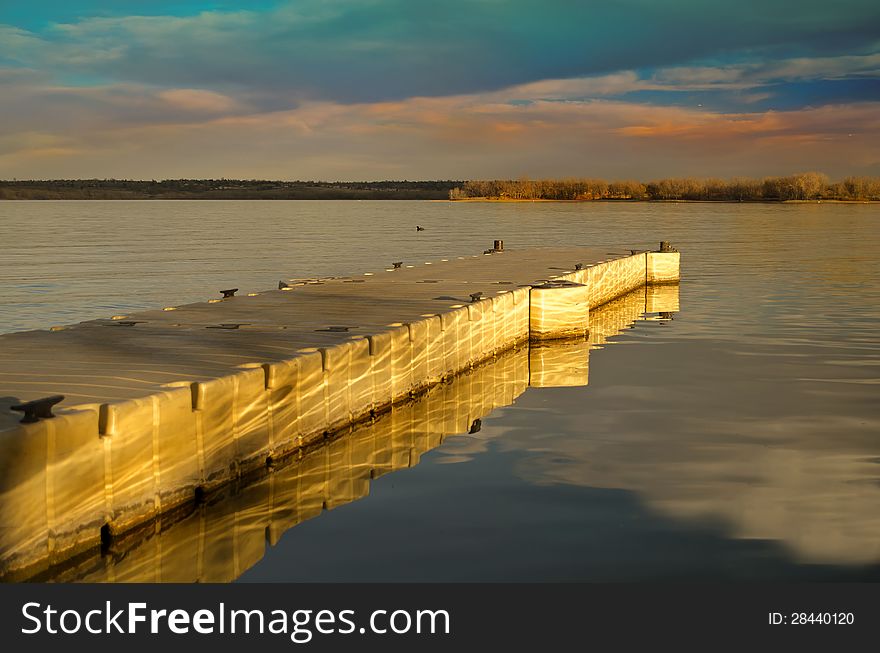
pixel 460 89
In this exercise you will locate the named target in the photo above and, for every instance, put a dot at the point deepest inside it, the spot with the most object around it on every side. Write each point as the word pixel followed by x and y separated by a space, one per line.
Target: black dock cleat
pixel 37 409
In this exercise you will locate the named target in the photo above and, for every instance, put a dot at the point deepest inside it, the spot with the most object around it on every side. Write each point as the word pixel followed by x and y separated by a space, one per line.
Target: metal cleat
pixel 37 409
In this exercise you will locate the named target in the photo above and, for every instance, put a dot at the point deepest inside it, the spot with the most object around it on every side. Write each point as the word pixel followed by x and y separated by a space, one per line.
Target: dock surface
pixel 111 360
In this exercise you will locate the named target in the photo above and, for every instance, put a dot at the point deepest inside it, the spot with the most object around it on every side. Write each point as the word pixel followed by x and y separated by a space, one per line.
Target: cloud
pixel 189 132
pixel 192 99
pixel 745 75
pixel 379 88
pixel 357 50
pixel 32 103
pixel 618 83
pixel 820 124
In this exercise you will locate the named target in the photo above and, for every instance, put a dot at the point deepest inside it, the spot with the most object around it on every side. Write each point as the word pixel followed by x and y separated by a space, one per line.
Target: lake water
pixel 738 440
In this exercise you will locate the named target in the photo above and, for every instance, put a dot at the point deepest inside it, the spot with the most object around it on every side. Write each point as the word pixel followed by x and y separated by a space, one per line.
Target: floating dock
pixel 219 539
pixel 163 407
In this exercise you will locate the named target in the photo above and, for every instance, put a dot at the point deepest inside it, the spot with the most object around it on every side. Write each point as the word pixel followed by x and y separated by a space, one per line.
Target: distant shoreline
pixel 808 187
pixel 167 198
pixel 223 189
pixel 469 200
pixel 608 200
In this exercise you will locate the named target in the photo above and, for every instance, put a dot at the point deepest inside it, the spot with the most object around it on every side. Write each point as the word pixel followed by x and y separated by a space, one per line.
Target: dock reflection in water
pixel 227 534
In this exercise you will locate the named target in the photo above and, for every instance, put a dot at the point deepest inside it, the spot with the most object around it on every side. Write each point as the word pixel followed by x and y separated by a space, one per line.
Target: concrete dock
pixel 217 540
pixel 163 406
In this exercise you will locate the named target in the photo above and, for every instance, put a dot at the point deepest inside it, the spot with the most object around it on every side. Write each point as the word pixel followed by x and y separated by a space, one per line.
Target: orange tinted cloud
pixel 138 132
pixel 199 100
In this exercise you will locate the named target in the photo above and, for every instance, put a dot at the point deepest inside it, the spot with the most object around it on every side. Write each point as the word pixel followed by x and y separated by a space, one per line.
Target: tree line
pixel 116 189
pixel 804 186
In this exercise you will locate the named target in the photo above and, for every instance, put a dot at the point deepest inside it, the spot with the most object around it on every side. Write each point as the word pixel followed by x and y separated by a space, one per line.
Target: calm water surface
pixel 740 440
